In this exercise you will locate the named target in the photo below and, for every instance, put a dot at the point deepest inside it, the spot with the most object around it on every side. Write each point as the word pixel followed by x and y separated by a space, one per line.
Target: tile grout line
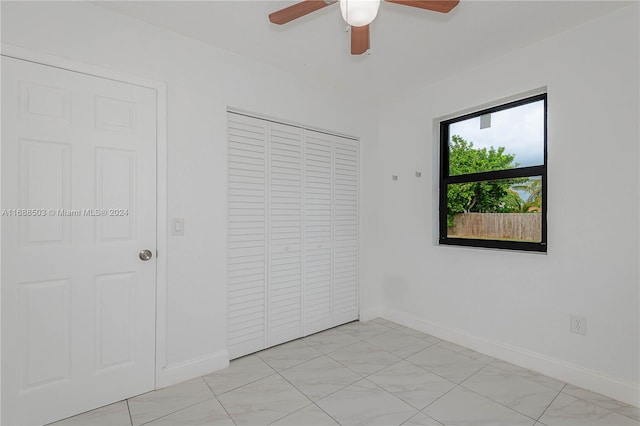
pixel 351 384
pixel 503 405
pixel 329 415
pixel 396 397
pixel 350 369
pixel 342 347
pixel 220 402
pixel 601 405
pixel 500 403
pixel 176 411
pixel 243 385
pixel 274 371
pixel 483 396
pixel 360 377
pixel 290 414
pixel 183 408
pixel 443 377
pixel 291 366
pixel 294 365
pixel 363 375
pixel 429 344
pixel 465 355
pixel 527 377
pixel 549 405
pixel 368 337
pixel 129 411
pixel 305 395
pixel 424 414
pixel 438 398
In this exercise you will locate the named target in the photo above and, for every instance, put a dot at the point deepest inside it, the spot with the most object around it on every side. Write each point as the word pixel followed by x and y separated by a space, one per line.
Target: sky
pixel 520 130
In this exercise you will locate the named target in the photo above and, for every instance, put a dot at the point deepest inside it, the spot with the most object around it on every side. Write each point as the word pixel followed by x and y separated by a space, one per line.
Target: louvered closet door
pixel 247 248
pixel 345 232
pixel 284 320
pixel 318 178
pixel 293 233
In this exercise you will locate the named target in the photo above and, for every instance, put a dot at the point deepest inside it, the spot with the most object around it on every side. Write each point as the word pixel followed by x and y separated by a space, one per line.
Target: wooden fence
pixel 503 226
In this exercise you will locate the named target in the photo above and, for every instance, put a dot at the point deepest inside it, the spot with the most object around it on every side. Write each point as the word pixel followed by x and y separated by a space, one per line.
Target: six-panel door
pixel 79 204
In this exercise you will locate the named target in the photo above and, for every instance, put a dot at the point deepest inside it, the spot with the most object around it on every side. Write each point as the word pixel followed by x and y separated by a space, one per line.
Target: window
pixel 493 177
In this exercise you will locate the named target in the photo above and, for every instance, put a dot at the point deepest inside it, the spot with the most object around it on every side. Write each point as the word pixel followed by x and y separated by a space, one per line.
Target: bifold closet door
pixel 318 226
pixel 284 284
pixel 292 232
pixel 247 234
pixel 345 231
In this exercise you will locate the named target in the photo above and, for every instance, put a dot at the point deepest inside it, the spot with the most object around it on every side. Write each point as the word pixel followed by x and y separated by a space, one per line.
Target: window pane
pixel 505 209
pixel 501 140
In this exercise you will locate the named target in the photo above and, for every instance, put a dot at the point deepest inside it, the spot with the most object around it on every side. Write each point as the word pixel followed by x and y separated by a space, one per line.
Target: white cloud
pixel 520 130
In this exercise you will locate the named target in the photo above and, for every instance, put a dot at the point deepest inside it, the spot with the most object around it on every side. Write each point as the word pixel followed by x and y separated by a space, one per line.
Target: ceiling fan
pixel 357 13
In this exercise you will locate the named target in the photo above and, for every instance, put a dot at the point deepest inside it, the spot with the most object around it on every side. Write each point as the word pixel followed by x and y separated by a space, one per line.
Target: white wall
pixel 202 81
pixel 516 306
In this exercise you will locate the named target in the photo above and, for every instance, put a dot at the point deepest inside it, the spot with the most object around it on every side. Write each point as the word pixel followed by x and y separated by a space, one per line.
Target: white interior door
pixel 345 231
pixel 318 225
pixel 247 235
pixel 79 204
pixel 285 236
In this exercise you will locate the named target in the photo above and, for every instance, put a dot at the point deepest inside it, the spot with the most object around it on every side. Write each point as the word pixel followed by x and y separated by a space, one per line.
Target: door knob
pixel 145 255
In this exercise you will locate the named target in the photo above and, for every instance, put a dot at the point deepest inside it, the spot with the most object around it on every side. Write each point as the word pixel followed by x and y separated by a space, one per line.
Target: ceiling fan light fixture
pixel 359 13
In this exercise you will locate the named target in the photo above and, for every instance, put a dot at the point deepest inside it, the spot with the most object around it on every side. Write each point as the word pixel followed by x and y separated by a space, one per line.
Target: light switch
pixel 177 226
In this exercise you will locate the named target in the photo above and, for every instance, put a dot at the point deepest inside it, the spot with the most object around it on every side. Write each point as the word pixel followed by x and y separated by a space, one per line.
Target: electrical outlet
pixel 578 325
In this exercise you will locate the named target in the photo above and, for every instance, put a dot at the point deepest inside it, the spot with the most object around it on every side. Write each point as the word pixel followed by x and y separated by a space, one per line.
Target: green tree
pixel 534 188
pixel 481 197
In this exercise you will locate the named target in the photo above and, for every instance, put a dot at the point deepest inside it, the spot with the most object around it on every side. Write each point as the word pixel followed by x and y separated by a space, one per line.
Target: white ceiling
pixel 409 47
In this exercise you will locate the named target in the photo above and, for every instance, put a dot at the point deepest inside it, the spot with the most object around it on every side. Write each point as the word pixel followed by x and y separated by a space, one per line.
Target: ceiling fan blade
pixel 443 6
pixel 298 10
pixel 359 39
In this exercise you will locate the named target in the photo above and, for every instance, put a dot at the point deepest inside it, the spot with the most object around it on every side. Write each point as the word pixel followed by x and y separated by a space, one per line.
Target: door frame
pixel 162 224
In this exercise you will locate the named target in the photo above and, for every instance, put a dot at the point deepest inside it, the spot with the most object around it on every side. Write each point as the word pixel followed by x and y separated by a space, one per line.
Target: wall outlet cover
pixel 578 325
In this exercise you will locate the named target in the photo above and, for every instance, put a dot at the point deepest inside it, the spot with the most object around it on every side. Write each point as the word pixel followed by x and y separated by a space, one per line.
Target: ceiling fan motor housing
pixel 359 13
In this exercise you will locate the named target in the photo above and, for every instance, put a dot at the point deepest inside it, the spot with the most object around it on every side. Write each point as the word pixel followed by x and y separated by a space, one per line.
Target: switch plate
pixel 177 226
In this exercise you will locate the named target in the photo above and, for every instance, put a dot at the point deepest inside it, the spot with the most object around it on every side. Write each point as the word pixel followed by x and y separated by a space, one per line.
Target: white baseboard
pixel 594 381
pixel 177 373
pixel 369 314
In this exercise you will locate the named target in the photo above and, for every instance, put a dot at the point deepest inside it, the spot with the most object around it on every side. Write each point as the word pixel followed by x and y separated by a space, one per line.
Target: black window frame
pixel 531 171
